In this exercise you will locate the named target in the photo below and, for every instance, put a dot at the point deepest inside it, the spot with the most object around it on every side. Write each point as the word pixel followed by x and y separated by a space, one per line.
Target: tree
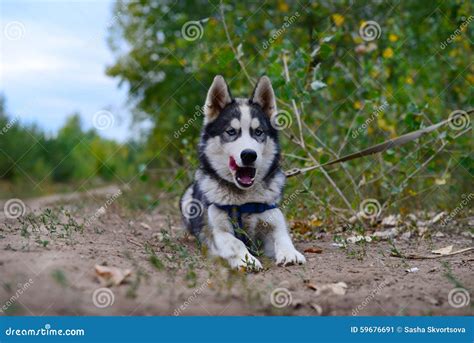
pixel 353 87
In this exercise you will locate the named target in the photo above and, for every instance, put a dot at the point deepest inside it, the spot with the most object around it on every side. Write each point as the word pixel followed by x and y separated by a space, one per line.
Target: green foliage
pixel 28 155
pixel 338 81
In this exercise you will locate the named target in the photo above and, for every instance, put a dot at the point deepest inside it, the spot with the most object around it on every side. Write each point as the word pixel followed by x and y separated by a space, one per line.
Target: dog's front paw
pixel 289 256
pixel 248 262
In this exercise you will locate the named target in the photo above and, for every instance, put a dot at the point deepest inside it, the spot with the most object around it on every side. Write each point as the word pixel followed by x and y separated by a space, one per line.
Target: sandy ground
pixel 47 268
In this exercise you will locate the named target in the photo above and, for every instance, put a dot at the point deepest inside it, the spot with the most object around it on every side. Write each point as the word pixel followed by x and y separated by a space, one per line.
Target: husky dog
pixel 239 182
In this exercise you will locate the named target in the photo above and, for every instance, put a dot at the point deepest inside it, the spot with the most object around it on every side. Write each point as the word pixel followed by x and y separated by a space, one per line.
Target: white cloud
pixel 58 64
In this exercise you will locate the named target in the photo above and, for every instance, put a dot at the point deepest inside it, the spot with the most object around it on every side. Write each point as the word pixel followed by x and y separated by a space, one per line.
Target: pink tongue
pixel 245 179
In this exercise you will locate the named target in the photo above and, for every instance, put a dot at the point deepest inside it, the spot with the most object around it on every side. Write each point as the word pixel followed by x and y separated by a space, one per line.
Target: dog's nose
pixel 248 156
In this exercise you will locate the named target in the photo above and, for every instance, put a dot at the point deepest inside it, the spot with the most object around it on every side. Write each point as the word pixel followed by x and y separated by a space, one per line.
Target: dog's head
pixel 238 143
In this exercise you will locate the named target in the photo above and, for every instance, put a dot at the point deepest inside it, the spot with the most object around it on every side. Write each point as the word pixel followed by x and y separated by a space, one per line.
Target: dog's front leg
pixel 282 246
pixel 223 243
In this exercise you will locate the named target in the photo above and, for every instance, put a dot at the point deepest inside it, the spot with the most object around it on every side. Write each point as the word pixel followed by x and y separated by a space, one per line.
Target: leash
pixel 381 147
pixel 235 214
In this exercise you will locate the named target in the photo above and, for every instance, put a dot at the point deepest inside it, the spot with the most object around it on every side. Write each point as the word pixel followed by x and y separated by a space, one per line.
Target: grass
pixel 450 276
pixel 48 225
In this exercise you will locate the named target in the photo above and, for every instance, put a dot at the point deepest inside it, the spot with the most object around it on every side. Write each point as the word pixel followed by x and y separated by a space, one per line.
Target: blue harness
pixel 235 214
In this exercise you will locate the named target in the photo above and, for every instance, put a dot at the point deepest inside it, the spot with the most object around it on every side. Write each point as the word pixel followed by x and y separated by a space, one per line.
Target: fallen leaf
pixel 313 250
pixel 337 245
pixel 443 251
pixel 412 270
pixel 422 230
pixel 338 288
pixel 317 308
pixel 111 276
pixel 358 238
pixel 431 300
pixel 432 221
pixel 412 217
pixel 386 234
pixel 145 226
pixel 301 227
pixel 406 235
pixel 422 257
pixel 391 220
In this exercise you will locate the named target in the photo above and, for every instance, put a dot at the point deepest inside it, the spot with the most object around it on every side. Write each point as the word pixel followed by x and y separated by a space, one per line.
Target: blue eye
pixel 258 132
pixel 231 132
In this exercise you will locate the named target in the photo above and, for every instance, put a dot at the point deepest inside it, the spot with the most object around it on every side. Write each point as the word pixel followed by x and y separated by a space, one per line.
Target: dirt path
pixel 35 204
pixel 170 275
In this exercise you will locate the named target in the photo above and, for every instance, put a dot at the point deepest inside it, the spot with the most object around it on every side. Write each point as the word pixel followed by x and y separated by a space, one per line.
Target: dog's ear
pixel 218 97
pixel 264 96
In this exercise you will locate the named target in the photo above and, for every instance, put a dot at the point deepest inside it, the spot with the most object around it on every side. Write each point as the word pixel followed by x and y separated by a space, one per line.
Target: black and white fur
pixel 239 163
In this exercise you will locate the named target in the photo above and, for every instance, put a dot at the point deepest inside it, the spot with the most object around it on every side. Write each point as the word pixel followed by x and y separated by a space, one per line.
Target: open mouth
pixel 245 176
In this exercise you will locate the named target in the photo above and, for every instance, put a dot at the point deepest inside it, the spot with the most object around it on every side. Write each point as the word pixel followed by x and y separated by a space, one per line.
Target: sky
pixel 53 56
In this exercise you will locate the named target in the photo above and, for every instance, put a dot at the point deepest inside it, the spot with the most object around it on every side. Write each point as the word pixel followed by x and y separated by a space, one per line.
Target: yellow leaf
pixel 316 222
pixel 374 73
pixel 388 53
pixel 440 181
pixel 382 123
pixel 283 6
pixel 358 105
pixel 338 19
pixel 409 80
pixel 470 78
pixel 392 37
pixel 411 192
